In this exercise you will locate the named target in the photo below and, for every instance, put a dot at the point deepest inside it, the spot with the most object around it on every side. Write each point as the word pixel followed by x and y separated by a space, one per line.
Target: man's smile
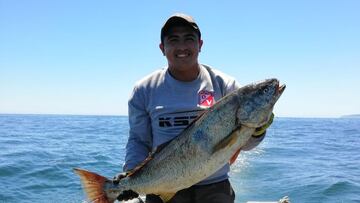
pixel 182 55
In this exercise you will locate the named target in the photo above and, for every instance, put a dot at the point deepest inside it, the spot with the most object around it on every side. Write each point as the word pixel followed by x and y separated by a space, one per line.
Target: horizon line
pixel 125 115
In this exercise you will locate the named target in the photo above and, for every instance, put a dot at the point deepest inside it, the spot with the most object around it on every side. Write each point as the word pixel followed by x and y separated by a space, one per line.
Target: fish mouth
pixel 280 88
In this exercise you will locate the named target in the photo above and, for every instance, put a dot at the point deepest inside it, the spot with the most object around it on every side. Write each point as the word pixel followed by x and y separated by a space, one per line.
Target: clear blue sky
pixel 83 57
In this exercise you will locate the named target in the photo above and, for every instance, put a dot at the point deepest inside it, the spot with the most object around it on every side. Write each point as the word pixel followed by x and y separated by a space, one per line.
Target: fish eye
pixel 266 90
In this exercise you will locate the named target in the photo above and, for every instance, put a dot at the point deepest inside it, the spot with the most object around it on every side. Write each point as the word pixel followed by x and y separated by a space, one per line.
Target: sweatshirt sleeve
pixel 231 86
pixel 140 136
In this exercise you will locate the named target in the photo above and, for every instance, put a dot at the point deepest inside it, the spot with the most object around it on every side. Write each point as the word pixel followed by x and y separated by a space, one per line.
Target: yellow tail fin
pixel 93 185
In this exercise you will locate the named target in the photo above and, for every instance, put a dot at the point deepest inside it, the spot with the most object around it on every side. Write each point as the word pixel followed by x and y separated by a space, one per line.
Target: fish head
pixel 256 102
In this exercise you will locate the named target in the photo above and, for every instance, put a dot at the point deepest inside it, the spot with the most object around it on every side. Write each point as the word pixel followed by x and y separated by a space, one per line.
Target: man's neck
pixel 185 75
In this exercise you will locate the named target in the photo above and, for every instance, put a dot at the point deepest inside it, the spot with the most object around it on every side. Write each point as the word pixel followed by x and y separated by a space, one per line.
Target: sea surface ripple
pixel 311 160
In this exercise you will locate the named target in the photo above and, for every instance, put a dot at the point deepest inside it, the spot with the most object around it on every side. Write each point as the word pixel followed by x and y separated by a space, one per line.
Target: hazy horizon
pixel 114 115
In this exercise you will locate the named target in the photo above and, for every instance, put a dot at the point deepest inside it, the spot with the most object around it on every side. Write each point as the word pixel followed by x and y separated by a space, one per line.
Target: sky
pixel 84 56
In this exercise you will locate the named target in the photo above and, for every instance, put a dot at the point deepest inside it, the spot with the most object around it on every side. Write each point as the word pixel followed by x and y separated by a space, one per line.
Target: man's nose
pixel 182 44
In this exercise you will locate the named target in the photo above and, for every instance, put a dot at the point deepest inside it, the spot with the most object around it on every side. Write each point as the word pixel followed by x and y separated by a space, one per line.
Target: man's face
pixel 181 48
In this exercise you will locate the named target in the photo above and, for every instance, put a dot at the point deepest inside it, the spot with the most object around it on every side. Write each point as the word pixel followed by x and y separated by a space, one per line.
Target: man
pixel 165 102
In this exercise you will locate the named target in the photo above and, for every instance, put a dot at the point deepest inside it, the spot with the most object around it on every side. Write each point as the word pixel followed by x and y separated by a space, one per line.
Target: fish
pixel 205 146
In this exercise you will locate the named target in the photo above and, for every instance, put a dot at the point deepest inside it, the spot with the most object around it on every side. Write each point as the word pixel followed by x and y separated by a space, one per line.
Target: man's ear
pixel 200 44
pixel 161 46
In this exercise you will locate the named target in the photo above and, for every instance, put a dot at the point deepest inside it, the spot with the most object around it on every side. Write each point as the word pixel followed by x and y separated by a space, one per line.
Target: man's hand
pixel 127 194
pixel 254 140
pixel 261 130
pixel 118 177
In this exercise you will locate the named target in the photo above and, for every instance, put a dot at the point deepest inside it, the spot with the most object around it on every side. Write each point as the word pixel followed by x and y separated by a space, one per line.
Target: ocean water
pixel 309 160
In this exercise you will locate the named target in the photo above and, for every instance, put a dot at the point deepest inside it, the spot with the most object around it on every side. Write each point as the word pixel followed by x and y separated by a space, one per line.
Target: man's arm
pixel 140 138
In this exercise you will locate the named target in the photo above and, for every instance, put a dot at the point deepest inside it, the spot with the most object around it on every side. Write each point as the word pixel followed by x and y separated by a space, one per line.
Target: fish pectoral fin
pixel 227 141
pixel 165 197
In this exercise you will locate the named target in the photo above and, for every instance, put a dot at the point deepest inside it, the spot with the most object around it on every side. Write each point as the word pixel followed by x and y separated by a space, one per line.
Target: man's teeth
pixel 182 55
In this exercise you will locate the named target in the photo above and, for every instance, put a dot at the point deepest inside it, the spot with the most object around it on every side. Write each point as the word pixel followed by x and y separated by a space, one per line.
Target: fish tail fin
pixel 93 185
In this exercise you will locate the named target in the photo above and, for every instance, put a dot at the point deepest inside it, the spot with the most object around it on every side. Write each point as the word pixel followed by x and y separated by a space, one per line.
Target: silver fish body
pixel 204 146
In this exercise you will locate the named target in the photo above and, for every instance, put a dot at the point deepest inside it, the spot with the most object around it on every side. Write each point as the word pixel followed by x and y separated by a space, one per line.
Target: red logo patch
pixel 206 98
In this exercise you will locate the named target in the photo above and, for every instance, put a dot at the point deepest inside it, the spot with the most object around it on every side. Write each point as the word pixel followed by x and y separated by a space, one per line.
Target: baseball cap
pixel 179 19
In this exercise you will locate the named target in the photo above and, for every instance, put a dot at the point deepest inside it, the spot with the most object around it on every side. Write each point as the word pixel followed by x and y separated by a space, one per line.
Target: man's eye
pixel 173 40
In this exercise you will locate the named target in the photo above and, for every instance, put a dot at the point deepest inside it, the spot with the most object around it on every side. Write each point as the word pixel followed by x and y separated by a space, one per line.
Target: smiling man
pixel 165 102
pixel 181 44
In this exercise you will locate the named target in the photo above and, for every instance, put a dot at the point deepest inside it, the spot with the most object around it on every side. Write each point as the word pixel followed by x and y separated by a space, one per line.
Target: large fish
pixel 200 150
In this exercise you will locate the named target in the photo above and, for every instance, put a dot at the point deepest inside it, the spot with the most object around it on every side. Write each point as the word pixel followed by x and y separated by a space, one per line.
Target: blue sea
pixel 310 160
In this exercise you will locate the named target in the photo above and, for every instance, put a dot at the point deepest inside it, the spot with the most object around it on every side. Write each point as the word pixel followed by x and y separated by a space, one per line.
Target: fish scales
pixel 198 140
pixel 200 150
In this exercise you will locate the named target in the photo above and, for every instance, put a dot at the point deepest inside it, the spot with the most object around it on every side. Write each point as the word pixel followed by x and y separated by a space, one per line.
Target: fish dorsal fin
pixel 166 197
pixel 198 117
pixel 140 166
pixel 149 158
pixel 161 147
pixel 158 149
pixel 227 141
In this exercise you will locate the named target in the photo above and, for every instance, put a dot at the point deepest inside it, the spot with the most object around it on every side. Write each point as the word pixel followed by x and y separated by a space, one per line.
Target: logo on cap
pixel 206 98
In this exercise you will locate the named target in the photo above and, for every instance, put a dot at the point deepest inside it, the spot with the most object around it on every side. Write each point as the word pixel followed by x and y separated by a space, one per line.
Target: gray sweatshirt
pixel 160 107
